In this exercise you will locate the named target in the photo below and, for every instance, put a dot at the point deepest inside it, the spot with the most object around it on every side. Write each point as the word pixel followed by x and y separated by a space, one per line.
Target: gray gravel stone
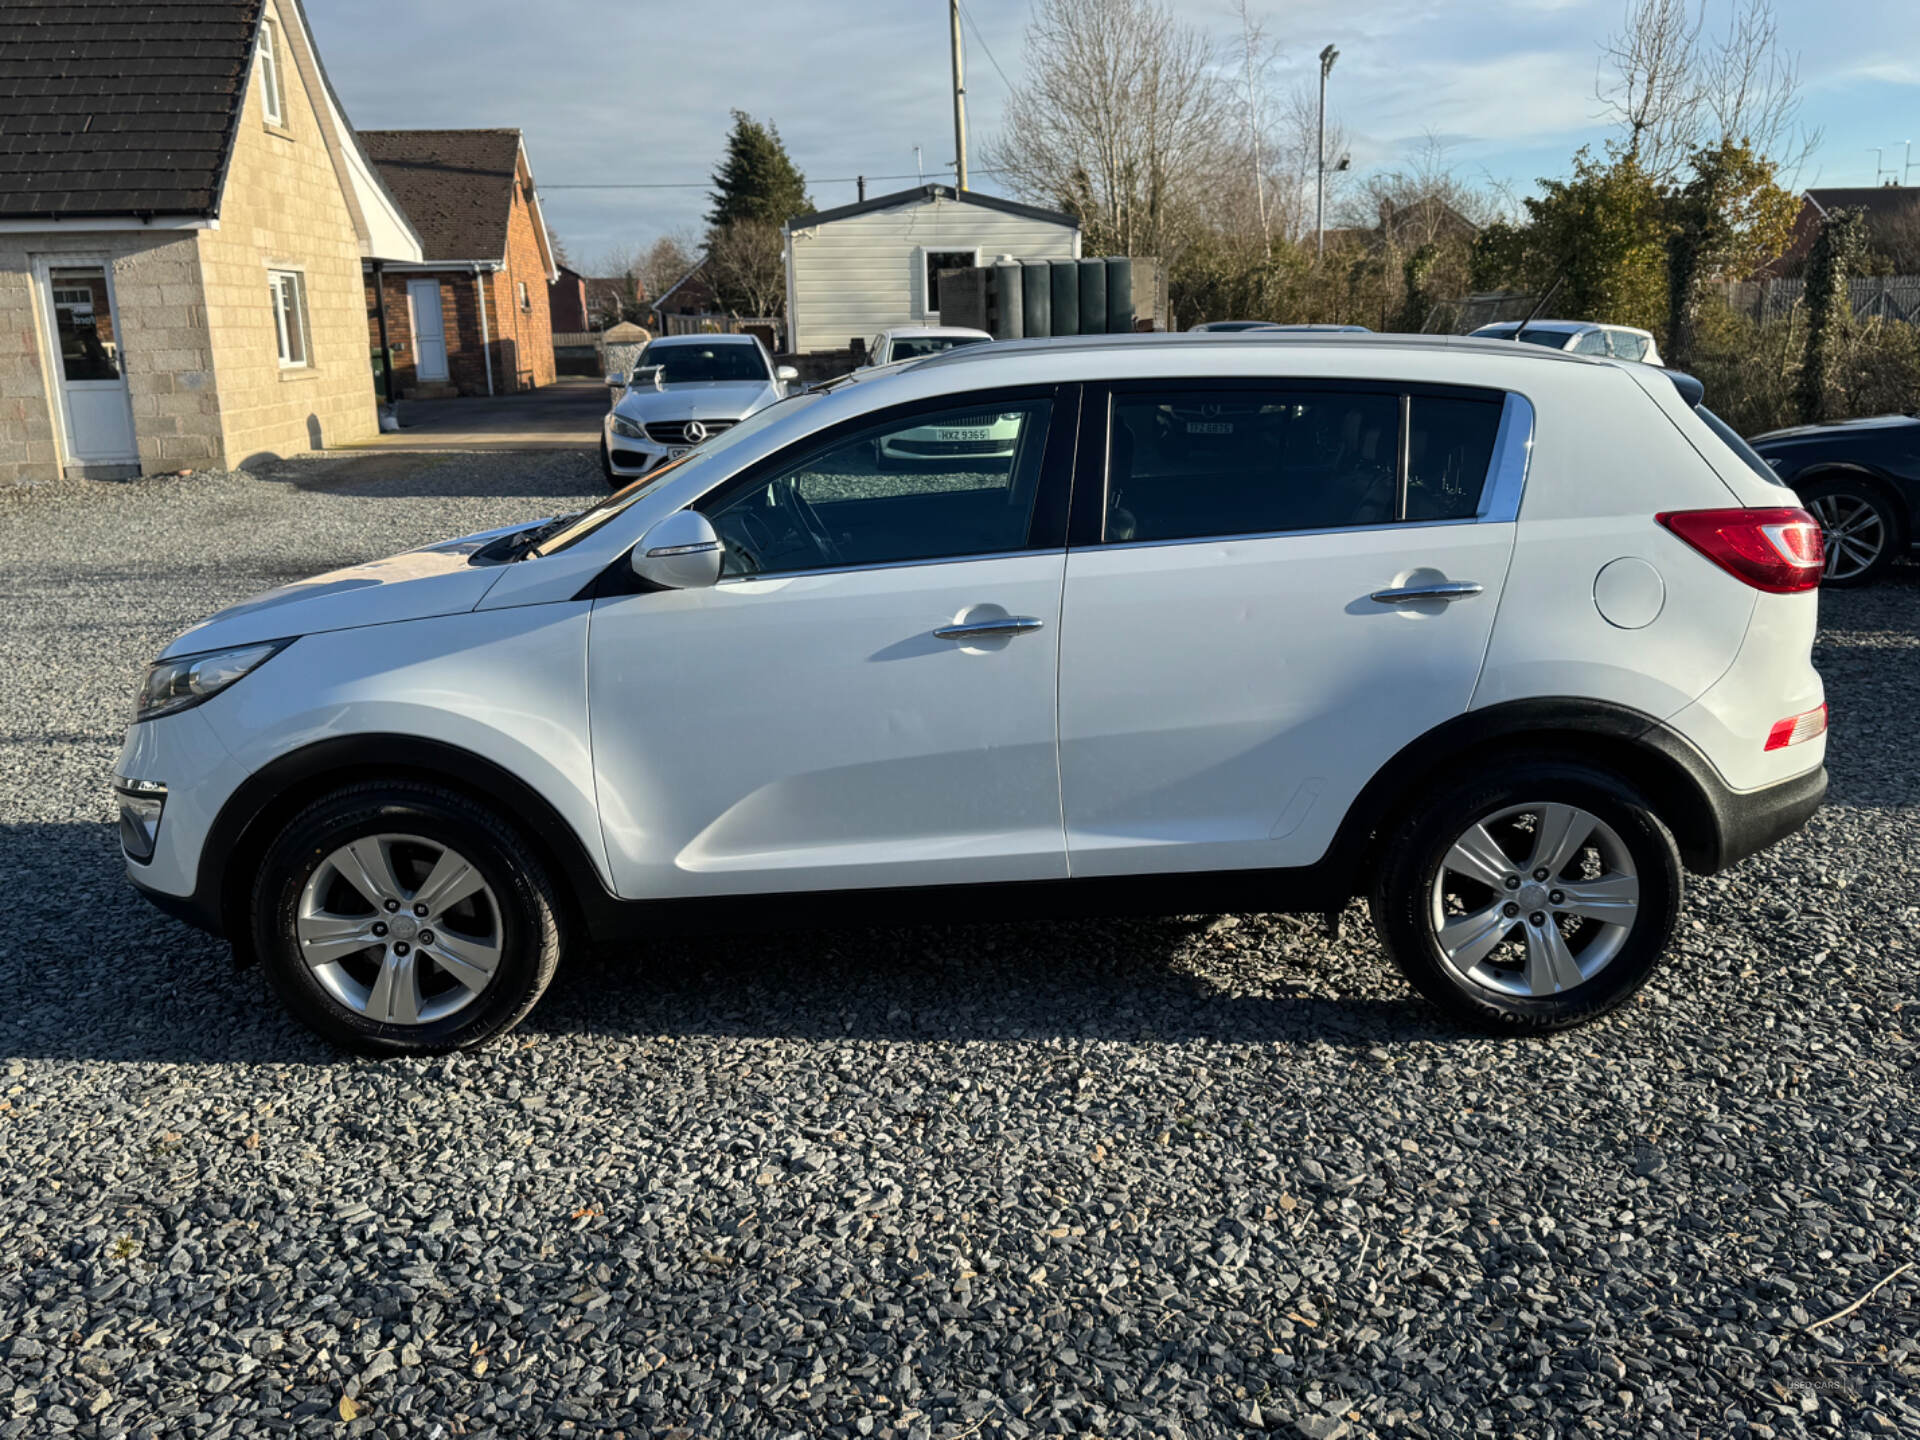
pixel 1117 1178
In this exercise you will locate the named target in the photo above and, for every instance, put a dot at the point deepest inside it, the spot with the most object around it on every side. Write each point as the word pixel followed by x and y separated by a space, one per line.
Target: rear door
pixel 1273 588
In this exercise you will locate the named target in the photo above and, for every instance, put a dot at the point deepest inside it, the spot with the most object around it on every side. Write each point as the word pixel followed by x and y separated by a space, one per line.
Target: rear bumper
pixel 1747 821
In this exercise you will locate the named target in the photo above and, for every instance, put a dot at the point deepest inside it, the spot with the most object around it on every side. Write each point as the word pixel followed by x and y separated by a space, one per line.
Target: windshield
pixel 591 519
pixel 681 363
pixel 1552 339
pixel 913 347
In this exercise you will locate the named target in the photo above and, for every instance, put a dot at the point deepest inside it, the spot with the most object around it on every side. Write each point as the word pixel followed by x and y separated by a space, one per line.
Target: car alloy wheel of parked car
pixel 397 918
pixel 1857 528
pixel 1532 899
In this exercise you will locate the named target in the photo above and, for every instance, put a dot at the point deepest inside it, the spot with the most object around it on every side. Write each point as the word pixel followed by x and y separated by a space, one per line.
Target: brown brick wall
pixel 524 333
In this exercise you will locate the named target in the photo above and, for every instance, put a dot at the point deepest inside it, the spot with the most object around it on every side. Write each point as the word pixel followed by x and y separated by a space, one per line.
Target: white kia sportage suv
pixel 1500 637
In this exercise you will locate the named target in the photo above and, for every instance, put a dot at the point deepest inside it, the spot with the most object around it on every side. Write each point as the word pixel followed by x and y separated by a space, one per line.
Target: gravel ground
pixel 1204 1177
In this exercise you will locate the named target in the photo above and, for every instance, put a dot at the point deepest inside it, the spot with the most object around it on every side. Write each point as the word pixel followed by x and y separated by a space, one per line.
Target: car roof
pixel 929 332
pixel 1191 344
pixel 704 340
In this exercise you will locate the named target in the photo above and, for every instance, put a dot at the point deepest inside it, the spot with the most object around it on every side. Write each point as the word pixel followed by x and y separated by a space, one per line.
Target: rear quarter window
pixel 1747 455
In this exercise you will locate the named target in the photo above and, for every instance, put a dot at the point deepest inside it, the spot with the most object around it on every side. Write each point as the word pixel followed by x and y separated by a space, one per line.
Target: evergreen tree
pixel 757 180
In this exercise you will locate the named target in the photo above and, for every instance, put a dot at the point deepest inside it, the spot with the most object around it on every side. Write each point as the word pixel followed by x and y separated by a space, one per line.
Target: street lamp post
pixel 1327 57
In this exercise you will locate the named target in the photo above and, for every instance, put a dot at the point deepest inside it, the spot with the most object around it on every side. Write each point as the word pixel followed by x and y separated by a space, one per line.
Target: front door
pixel 867 698
pixel 1284 594
pixel 429 330
pixel 92 371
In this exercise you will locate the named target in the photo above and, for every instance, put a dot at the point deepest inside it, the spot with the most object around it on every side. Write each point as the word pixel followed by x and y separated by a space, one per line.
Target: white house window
pixel 938 260
pixel 526 300
pixel 272 101
pixel 289 292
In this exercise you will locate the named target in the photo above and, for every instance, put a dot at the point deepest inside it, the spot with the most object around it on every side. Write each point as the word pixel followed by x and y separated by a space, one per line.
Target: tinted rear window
pixel 1748 455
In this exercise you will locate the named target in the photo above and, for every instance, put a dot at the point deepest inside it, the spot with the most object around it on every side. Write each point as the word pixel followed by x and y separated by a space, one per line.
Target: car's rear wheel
pixel 396 918
pixel 1859 529
pixel 1534 898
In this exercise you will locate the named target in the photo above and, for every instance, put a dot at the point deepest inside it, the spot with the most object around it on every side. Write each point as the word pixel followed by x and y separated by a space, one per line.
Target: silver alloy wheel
pixel 399 928
pixel 1556 874
pixel 1855 533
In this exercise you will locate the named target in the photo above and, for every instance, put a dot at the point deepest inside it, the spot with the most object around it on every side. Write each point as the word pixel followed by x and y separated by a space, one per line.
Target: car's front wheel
pixel 1858 527
pixel 1537 897
pixel 398 918
pixel 614 482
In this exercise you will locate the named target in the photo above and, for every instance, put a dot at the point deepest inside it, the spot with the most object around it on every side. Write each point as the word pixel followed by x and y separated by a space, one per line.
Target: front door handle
pixel 1007 625
pixel 1408 594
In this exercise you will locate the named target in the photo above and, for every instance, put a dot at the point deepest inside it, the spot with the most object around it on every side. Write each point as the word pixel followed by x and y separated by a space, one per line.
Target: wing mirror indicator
pixel 681 552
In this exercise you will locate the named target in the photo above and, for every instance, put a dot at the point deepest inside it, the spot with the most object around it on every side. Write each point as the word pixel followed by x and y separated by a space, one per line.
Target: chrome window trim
pixel 1512 457
pixel 1391 526
pixel 1057 551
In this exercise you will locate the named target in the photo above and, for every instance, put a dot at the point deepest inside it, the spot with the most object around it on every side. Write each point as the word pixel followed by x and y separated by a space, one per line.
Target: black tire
pixel 528 913
pixel 1403 904
pixel 1873 525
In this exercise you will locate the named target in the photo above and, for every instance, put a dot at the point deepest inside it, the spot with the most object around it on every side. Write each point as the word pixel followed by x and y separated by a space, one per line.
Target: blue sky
pixel 640 91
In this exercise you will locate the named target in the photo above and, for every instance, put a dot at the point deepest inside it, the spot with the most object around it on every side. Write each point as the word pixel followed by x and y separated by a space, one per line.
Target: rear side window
pixel 1449 449
pixel 1193 463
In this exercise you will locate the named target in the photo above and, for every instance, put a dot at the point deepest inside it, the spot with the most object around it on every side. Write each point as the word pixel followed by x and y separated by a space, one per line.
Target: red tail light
pixel 1776 550
pixel 1795 728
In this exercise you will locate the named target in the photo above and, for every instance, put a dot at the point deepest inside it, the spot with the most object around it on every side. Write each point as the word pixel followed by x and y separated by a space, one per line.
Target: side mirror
pixel 681 552
pixel 786 374
pixel 617 381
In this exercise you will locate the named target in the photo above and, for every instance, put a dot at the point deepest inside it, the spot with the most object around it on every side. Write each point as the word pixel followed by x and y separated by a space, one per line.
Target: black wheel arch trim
pixel 1715 826
pixel 271 795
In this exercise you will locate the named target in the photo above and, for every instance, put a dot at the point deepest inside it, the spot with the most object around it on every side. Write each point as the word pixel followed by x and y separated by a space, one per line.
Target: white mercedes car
pixel 1505 640
pixel 684 390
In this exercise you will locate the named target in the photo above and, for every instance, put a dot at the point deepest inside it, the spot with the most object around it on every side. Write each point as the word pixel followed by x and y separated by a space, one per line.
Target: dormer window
pixel 272 100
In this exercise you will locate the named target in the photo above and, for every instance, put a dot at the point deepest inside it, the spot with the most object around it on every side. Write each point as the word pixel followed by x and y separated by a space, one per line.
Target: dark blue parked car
pixel 1861 480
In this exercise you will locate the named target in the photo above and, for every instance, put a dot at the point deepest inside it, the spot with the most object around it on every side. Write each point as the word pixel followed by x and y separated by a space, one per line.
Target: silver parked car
pixel 1581 337
pixel 685 389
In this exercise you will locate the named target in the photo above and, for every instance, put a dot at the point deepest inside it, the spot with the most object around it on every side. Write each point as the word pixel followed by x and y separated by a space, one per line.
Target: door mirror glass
pixel 681 552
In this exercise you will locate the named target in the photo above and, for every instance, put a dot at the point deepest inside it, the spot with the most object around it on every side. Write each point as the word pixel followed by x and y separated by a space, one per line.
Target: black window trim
pixel 1087 527
pixel 1046 527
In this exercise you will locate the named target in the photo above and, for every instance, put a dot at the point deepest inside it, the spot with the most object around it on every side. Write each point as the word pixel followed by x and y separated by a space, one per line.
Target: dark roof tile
pixel 456 186
pixel 116 108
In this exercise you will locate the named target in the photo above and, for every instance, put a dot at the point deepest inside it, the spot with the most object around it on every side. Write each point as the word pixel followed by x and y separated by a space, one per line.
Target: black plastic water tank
pixel 1036 299
pixel 1007 311
pixel 1119 295
pixel 1065 275
pixel 1093 297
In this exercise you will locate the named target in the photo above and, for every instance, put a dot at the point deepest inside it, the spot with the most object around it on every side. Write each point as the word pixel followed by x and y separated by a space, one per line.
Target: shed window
pixel 272 100
pixel 288 289
pixel 938 260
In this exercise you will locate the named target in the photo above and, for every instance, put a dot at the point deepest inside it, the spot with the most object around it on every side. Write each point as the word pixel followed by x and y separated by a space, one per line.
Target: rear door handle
pixel 1408 594
pixel 1009 625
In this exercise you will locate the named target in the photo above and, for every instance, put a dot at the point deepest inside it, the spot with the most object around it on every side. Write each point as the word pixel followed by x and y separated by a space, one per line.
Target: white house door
pixel 92 369
pixel 429 330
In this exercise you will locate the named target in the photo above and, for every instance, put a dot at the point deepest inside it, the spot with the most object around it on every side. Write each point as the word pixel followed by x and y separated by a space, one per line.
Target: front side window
pixel 272 100
pixel 288 291
pixel 934 486
pixel 1197 463
pixel 682 364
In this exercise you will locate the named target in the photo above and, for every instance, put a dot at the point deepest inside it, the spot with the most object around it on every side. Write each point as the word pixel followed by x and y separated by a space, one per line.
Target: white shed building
pixel 861 268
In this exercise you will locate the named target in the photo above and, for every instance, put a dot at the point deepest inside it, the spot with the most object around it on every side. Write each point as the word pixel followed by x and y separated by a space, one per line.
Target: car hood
pixel 438 579
pixel 698 400
pixel 1838 427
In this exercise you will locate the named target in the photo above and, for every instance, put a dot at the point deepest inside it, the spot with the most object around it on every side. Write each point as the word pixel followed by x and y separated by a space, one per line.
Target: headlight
pixel 176 684
pixel 629 428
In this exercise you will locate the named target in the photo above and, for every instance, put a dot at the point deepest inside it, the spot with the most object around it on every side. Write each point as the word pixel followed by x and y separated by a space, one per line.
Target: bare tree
pixel 1256 60
pixel 1297 158
pixel 1121 120
pixel 1676 88
pixel 746 267
pixel 664 262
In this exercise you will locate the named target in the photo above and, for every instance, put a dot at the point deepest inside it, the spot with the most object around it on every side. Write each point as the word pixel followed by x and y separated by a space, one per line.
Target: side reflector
pixel 1795 728
pixel 1778 550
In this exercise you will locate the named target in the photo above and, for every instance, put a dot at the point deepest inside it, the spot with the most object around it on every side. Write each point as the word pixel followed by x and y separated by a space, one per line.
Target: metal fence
pixel 770 328
pixel 1883 297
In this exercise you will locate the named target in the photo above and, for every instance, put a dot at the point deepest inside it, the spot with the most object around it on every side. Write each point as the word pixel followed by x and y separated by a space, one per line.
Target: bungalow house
pixel 183 215
pixel 861 268
pixel 471 317
pixel 1892 216
pixel 567 302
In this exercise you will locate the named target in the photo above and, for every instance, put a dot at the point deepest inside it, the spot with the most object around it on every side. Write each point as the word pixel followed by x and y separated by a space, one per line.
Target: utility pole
pixel 959 102
pixel 1327 57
